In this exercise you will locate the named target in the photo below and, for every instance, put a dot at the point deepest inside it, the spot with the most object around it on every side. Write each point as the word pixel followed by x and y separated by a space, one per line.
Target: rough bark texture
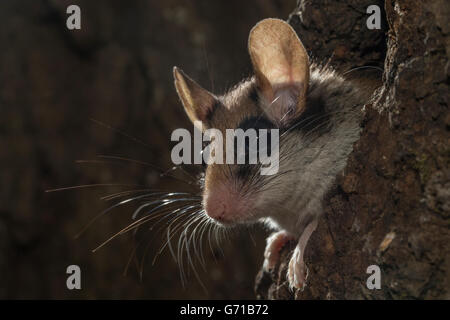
pixel 391 207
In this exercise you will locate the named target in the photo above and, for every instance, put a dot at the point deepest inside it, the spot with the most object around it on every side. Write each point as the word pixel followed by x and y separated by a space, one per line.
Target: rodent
pixel 318 113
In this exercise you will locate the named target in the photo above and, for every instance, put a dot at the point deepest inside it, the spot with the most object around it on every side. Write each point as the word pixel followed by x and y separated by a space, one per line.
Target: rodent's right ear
pixel 198 102
pixel 281 66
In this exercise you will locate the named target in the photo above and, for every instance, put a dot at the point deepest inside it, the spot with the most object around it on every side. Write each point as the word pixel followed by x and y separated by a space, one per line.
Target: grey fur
pixel 313 148
pixel 313 151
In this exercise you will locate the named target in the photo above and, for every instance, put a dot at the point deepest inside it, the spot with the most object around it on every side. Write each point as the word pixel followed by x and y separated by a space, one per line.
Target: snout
pixel 226 205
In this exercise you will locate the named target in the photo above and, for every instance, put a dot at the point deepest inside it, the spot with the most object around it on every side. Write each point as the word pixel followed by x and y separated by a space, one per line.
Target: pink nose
pixel 216 210
pixel 222 204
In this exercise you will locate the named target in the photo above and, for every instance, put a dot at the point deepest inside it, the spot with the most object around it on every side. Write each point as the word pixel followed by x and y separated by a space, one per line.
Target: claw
pixel 298 272
pixel 274 244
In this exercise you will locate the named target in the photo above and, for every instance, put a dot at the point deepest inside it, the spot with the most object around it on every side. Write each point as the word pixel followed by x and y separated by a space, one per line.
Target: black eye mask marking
pixel 256 123
pixel 253 95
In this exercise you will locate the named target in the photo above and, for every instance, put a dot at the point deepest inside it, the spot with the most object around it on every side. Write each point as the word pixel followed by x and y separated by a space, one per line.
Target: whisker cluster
pixel 179 216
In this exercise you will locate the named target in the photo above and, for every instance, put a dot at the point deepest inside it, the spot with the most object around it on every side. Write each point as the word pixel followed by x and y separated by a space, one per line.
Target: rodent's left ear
pixel 281 68
pixel 198 102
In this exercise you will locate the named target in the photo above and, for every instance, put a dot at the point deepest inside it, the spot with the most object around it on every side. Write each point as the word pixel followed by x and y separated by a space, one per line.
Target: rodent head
pixel 274 98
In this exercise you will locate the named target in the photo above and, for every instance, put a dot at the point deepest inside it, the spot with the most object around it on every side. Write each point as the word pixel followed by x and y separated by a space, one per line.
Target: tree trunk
pixel 391 206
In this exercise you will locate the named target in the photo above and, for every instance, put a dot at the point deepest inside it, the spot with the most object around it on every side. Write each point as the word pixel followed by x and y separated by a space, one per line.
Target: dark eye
pixel 256 124
pixel 204 164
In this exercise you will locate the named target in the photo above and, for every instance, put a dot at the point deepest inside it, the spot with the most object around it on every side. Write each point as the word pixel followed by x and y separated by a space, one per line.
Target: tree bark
pixel 391 206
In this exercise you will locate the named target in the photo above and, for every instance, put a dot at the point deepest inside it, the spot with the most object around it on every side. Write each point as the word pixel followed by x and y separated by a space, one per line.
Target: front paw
pixel 274 244
pixel 297 273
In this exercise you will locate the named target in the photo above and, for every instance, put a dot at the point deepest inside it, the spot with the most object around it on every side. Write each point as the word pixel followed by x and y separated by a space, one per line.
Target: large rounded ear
pixel 198 102
pixel 281 67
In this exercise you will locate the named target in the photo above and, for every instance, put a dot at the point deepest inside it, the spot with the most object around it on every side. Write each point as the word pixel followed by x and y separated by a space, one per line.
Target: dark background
pixel 117 70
